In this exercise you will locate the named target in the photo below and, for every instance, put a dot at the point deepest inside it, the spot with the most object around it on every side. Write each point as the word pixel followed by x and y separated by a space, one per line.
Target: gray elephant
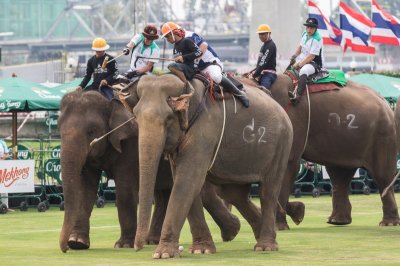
pixel 344 130
pixel 222 141
pixel 397 122
pixel 86 116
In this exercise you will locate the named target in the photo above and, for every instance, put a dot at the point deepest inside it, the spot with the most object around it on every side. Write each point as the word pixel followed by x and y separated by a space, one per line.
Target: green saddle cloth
pixel 335 75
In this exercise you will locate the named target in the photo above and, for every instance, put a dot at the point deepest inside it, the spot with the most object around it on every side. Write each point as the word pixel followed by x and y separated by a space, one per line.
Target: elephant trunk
pixel 71 167
pixel 150 150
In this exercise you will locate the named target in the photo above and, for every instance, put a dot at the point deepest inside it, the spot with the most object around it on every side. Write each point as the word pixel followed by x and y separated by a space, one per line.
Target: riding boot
pixel 177 72
pixel 295 97
pixel 240 95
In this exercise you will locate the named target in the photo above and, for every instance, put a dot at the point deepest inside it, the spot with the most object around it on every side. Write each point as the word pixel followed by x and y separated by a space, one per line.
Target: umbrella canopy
pixel 19 95
pixel 67 87
pixel 387 87
pixel 23 96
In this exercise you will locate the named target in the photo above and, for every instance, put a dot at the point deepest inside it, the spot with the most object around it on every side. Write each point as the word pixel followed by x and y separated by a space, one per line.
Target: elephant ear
pixel 130 95
pixel 118 116
pixel 180 105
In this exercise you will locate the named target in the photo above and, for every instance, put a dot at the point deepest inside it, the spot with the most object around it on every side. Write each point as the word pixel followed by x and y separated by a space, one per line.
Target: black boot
pixel 295 97
pixel 240 95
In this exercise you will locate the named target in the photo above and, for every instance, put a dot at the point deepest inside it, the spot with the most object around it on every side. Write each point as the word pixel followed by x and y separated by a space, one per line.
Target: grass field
pixel 31 238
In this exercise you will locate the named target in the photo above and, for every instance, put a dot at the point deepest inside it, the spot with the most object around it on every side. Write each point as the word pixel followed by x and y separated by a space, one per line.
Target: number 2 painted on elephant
pixel 335 118
pixel 249 136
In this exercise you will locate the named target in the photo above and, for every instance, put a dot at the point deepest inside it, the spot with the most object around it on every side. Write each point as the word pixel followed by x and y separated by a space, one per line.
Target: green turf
pixel 31 238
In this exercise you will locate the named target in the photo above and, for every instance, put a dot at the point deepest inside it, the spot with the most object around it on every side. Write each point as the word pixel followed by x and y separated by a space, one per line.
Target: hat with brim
pixel 101 49
pixel 150 36
pixel 150 32
pixel 311 22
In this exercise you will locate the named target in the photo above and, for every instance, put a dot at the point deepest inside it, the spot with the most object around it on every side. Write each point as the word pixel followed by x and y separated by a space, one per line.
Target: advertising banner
pixel 17 176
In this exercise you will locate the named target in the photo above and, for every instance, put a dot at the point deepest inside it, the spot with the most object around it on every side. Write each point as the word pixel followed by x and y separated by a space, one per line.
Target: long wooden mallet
pixel 105 62
pixel 156 58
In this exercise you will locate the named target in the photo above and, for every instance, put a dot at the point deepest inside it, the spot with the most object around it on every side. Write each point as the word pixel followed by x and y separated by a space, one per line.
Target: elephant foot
pixel 76 241
pixel 202 247
pixel 124 243
pixel 266 246
pixel 296 210
pixel 390 222
pixel 153 240
pixel 339 220
pixel 167 251
pixel 228 233
pixel 281 223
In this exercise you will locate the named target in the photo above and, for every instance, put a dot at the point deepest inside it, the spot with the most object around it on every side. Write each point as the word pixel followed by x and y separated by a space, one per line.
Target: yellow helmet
pixel 99 44
pixel 167 27
pixel 263 28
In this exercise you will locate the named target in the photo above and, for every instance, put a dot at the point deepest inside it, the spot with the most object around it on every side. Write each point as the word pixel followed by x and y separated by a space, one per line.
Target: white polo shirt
pixel 311 45
pixel 140 49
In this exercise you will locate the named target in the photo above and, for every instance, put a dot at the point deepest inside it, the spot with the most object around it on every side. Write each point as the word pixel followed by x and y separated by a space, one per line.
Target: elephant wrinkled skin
pixel 255 146
pixel 348 128
pixel 86 116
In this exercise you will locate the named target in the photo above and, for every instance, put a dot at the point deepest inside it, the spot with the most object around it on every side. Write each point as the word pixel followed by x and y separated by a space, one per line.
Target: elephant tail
pixel 390 185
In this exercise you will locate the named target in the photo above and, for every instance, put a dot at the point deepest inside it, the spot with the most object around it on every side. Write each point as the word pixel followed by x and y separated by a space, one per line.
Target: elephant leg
pixel 183 194
pixel 389 206
pixel 201 235
pixel 228 223
pixel 294 209
pixel 238 196
pixel 79 236
pixel 341 206
pixel 126 202
pixel 161 198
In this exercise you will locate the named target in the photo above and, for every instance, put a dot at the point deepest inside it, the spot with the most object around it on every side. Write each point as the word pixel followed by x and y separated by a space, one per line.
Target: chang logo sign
pixel 55 152
pixel 52 121
pixel 45 93
pixel 23 152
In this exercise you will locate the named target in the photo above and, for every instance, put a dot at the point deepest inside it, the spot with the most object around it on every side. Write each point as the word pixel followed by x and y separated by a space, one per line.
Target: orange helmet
pixel 99 44
pixel 167 27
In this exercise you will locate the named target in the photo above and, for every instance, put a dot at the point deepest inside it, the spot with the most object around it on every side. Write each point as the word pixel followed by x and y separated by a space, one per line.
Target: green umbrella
pixel 23 96
pixel 68 87
pixel 387 87
pixel 18 95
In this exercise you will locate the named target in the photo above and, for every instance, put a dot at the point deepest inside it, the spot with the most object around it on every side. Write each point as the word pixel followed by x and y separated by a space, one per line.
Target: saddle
pixel 323 80
pixel 213 88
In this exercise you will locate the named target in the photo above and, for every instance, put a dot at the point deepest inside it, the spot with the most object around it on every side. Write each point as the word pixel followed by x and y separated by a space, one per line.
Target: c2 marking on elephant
pixel 249 136
pixel 334 118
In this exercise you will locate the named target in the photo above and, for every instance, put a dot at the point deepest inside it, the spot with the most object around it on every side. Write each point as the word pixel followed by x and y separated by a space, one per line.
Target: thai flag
pixel 387 30
pixel 355 29
pixel 331 34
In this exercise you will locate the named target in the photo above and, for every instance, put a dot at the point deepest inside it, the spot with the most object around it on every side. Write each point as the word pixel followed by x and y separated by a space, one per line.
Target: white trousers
pixel 307 69
pixel 215 72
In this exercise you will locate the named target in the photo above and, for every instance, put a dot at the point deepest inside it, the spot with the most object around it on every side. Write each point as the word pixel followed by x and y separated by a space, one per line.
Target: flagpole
pixel 341 59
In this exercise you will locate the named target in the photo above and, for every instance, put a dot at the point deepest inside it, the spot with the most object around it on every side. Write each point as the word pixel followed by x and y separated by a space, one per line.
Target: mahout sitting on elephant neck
pixel 255 149
pixel 88 115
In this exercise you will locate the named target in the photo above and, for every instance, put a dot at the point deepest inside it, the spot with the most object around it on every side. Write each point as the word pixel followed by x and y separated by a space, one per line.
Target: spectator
pixel 4 155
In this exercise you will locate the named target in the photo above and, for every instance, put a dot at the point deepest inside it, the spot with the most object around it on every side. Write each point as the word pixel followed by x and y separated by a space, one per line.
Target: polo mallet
pixel 105 62
pixel 156 58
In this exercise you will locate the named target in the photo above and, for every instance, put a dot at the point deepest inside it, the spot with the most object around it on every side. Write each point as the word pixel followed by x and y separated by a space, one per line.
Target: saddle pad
pixel 335 75
pixel 322 87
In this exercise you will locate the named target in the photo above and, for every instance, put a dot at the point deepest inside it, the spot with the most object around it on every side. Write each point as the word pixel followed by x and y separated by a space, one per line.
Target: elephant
pixel 397 121
pixel 220 142
pixel 87 116
pixel 344 130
